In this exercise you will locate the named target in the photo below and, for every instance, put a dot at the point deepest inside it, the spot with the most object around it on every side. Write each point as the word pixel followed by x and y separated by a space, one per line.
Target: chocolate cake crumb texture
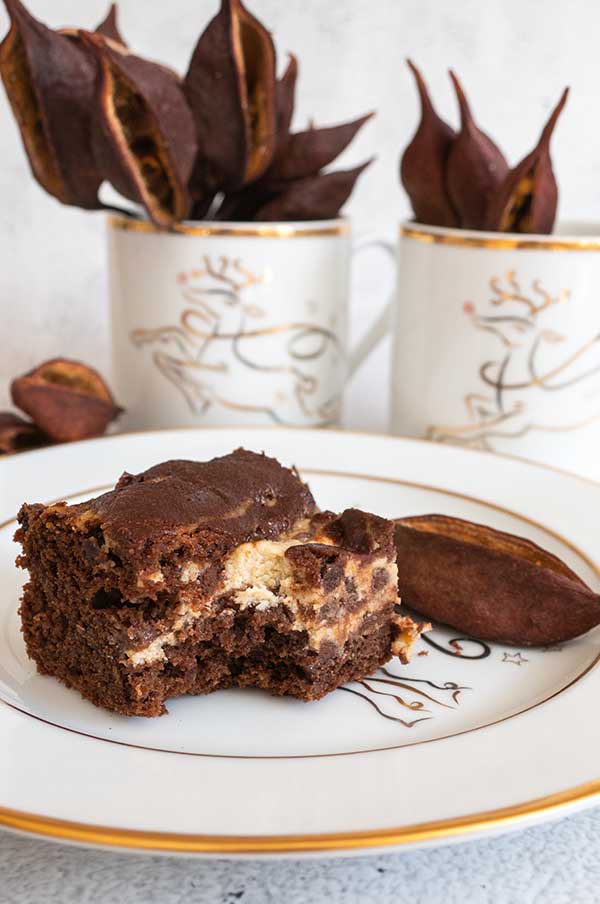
pixel 195 576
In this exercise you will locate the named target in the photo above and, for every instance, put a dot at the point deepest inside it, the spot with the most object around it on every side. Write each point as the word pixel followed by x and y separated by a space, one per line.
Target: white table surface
pixel 555 863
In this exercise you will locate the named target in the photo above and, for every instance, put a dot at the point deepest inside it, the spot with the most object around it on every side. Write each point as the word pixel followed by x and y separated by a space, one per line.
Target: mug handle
pixel 383 324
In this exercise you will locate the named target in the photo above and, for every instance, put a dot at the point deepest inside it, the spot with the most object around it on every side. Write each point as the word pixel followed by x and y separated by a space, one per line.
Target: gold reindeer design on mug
pixel 223 353
pixel 520 385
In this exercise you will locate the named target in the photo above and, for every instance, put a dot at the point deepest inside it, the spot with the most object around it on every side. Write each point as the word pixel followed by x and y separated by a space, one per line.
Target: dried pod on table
pixel 490 584
pixel 49 80
pixel 476 167
pixel 146 144
pixel 17 434
pixel 66 399
pixel 423 163
pixel 319 197
pixel 527 198
pixel 230 87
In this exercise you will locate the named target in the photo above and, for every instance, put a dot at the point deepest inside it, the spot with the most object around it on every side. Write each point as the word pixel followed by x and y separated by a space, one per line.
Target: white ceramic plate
pixel 468 738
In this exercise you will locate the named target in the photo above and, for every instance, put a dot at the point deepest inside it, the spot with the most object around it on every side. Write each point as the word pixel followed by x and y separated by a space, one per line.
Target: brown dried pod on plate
pixel 146 144
pixel 230 87
pixel 423 163
pixel 66 399
pixel 319 197
pixel 17 434
pixel 527 198
pixel 490 584
pixel 476 167
pixel 49 81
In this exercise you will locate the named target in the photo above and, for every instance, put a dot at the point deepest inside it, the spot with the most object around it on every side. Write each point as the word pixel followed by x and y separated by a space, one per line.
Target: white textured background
pixel 514 57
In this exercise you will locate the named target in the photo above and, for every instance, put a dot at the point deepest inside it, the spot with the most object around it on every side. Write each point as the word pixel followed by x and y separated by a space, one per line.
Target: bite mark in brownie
pixel 194 576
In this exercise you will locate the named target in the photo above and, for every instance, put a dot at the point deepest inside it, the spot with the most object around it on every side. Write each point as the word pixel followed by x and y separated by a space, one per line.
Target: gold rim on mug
pixel 114 837
pixel 246 230
pixel 487 240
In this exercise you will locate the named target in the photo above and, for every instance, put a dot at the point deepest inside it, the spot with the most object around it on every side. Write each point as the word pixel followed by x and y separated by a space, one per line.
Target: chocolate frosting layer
pixel 240 497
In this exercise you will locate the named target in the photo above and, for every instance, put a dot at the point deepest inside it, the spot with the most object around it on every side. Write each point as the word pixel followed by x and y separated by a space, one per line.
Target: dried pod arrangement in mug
pixel 66 401
pixel 215 143
pixel 461 179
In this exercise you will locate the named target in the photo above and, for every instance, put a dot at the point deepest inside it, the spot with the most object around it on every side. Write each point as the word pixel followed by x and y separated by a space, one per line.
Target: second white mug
pixel 497 342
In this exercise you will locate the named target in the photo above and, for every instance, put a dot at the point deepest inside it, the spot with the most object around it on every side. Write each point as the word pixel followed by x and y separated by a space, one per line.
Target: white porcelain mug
pixel 217 323
pixel 497 342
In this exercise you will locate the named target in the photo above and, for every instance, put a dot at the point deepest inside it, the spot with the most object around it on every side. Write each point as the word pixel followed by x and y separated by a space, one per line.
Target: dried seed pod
pixel 527 198
pixel 285 98
pixel 476 167
pixel 318 197
pixel 230 86
pixel 109 27
pixel 147 143
pixel 423 164
pixel 490 584
pixel 293 186
pixel 303 154
pixel 17 434
pixel 66 399
pixel 243 205
pixel 49 81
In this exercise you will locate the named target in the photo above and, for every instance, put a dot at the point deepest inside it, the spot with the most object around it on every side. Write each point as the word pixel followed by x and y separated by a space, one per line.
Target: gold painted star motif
pixel 515 658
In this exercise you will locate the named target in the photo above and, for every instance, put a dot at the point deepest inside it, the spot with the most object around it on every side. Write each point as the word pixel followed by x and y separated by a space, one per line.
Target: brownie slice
pixel 194 576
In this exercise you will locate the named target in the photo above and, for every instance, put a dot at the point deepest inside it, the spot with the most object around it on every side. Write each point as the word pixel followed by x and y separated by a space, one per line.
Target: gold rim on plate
pixel 375 434
pixel 503 817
